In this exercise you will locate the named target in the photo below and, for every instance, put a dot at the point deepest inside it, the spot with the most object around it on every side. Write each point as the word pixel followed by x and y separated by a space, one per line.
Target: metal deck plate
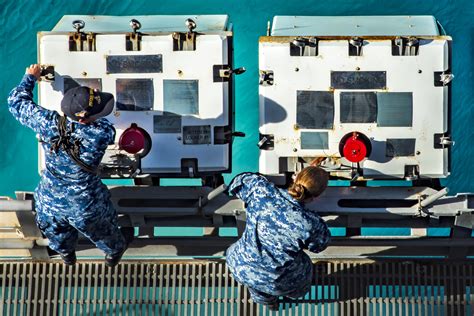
pixel 206 288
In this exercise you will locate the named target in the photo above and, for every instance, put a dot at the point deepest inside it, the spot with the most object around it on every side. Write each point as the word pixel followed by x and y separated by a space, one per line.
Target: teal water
pixel 22 19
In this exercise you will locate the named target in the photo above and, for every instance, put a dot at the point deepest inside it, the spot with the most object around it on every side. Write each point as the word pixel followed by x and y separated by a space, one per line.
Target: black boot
pixel 69 258
pixel 113 260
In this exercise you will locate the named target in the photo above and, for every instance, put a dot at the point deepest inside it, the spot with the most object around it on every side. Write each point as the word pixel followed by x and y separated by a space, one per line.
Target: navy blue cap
pixel 86 103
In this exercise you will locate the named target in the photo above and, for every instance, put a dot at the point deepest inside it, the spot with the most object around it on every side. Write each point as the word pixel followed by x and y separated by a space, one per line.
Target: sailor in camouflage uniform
pixel 70 197
pixel 269 257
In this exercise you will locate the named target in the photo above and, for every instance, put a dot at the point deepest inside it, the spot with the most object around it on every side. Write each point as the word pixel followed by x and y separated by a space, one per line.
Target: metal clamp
pixel 79 41
pixel 302 46
pixel 185 41
pixel 133 40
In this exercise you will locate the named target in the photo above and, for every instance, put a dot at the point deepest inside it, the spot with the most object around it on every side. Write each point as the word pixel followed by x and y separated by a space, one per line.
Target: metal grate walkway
pixel 206 288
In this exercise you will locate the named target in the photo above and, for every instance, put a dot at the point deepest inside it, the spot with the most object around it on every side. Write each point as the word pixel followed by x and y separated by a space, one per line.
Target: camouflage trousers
pixel 62 228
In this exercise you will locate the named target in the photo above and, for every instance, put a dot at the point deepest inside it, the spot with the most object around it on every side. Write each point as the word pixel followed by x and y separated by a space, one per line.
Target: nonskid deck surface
pixel 193 287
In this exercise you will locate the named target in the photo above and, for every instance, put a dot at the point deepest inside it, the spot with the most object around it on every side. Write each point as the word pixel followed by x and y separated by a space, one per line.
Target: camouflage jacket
pixel 269 257
pixel 64 185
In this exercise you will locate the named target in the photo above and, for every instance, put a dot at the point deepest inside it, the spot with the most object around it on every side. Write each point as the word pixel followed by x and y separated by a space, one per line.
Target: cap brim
pixel 109 101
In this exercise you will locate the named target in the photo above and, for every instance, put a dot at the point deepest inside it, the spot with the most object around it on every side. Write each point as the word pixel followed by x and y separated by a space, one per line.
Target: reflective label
pixel 395 109
pixel 358 79
pixel 400 147
pixel 181 96
pixel 126 64
pixel 167 123
pixel 315 109
pixel 314 140
pixel 358 107
pixel 134 94
pixel 195 135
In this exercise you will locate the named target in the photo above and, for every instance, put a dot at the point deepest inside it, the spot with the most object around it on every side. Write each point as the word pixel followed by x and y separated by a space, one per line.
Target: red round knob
pixel 355 148
pixel 133 139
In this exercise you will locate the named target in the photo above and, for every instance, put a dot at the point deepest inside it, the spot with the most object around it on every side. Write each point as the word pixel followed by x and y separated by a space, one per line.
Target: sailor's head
pixel 85 104
pixel 309 184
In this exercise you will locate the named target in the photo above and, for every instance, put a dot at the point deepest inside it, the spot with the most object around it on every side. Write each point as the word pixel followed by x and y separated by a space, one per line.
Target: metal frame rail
pixel 207 288
pixel 147 207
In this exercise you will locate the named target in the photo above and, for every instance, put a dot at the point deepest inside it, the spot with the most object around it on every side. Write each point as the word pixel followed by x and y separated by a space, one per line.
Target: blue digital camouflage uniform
pixel 269 257
pixel 68 199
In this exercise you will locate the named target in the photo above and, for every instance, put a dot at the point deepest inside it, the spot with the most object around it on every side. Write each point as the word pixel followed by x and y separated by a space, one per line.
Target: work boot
pixel 113 260
pixel 69 258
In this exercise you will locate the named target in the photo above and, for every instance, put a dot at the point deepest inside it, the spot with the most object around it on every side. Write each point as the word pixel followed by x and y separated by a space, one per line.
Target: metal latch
pixel 224 72
pixel 80 41
pixel 405 46
pixel 355 46
pixel 227 72
pixel 47 72
pixel 133 39
pixel 266 77
pixel 443 78
pixel 224 134
pixel 185 41
pixel 442 141
pixel 302 46
pixel 267 142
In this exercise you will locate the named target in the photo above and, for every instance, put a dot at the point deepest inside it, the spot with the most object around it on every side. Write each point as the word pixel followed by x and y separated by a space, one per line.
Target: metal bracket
pixel 80 41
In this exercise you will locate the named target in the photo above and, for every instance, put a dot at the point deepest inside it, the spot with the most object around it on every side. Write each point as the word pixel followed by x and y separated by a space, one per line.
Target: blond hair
pixel 309 183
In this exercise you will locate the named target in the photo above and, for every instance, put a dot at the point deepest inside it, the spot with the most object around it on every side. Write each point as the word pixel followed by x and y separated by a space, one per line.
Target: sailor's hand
pixel 34 70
